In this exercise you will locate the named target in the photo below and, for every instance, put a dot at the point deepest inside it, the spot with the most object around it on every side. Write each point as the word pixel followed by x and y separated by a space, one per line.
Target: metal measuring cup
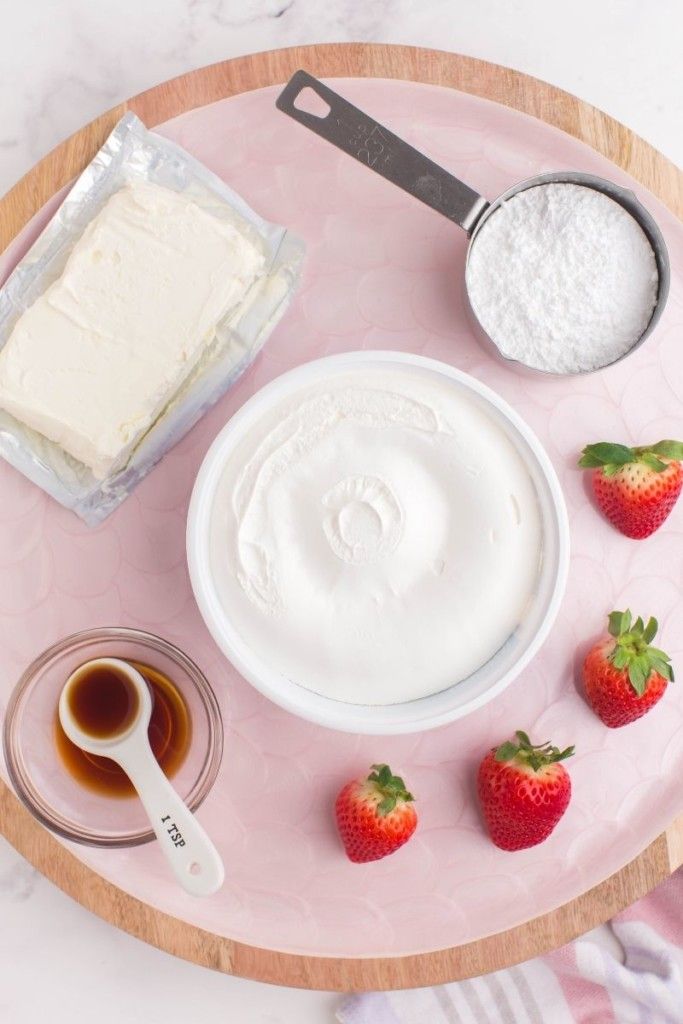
pixel 363 138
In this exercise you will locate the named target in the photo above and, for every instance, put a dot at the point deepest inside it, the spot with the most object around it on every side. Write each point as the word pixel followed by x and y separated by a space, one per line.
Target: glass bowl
pixel 37 772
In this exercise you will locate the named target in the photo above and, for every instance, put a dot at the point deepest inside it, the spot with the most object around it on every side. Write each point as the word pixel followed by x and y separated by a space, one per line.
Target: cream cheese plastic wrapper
pixel 132 153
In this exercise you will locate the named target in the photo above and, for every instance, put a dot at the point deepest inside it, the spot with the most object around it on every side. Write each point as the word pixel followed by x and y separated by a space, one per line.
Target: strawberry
pixel 375 816
pixel 636 488
pixel 523 791
pixel 623 675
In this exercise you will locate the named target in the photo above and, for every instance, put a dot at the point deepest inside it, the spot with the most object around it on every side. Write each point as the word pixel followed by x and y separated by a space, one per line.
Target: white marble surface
pixel 64 61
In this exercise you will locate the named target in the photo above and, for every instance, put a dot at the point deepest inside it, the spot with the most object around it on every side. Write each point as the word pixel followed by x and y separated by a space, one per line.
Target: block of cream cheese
pixel 95 360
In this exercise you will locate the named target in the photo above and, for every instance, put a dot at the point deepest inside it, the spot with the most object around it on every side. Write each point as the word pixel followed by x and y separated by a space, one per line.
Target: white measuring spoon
pixel 193 858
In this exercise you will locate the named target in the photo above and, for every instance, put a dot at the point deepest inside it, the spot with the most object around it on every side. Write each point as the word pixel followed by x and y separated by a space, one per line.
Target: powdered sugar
pixel 562 278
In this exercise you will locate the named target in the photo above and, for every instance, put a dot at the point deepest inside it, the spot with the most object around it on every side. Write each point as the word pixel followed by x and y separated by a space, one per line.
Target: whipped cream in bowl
pixel 377 542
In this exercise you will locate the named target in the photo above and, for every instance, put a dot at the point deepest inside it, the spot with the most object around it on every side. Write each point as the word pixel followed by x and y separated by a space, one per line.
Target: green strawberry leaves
pixel 534 755
pixel 652 462
pixel 391 787
pixel 620 658
pixel 619 622
pixel 506 751
pixel 650 630
pixel 612 457
pixel 606 455
pixel 632 652
pixel 638 673
pixel 668 449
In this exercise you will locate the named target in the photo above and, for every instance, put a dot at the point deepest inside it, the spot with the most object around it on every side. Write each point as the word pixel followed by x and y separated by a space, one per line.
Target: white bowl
pixel 428 712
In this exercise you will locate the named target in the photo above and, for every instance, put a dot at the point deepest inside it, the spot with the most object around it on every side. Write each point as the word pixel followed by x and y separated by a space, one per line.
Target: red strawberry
pixel 636 488
pixel 624 677
pixel 523 792
pixel 375 815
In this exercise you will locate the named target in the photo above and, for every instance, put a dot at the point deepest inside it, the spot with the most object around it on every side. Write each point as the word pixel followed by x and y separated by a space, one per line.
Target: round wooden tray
pixel 664 855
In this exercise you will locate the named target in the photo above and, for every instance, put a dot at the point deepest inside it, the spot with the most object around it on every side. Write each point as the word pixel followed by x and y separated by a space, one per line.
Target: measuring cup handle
pixel 357 134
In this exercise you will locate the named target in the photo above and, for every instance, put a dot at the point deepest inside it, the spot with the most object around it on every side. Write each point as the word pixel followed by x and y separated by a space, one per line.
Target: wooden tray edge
pixel 38 846
pixel 242 74
pixel 195 944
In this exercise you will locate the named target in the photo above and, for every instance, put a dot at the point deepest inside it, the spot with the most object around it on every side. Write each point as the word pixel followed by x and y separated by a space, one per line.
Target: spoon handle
pixel 357 134
pixel 194 859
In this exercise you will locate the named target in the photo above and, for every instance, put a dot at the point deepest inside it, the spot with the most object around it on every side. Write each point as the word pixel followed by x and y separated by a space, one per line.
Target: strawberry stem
pixel 391 787
pixel 535 755
pixel 632 652
pixel 611 457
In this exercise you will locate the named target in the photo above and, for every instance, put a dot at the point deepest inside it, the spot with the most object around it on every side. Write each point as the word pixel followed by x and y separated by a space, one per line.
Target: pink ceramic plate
pixel 382 271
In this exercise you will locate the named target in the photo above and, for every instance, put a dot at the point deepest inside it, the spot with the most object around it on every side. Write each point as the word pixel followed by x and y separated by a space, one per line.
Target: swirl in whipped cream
pixel 376 537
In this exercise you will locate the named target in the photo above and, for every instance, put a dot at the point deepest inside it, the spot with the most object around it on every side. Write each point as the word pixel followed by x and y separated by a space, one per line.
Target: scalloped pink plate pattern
pixel 382 272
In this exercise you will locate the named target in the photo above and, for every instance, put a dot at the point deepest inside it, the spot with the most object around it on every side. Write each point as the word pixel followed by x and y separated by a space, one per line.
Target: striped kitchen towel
pixel 630 972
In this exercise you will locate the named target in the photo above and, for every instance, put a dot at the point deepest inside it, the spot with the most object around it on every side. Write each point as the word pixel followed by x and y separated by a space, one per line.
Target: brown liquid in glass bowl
pixel 102 700
pixel 170 728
